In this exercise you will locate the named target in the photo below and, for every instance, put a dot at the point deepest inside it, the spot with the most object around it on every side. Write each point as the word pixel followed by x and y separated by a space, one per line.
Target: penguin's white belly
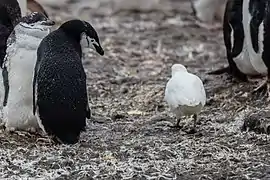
pixel 249 62
pixel 244 64
pixel 18 113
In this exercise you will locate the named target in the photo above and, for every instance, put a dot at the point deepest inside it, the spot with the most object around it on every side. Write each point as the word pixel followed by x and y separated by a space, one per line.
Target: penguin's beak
pixel 48 23
pixel 99 49
pixel 96 44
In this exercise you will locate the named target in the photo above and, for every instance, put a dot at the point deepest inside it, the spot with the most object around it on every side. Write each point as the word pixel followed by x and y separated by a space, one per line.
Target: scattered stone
pixel 258 122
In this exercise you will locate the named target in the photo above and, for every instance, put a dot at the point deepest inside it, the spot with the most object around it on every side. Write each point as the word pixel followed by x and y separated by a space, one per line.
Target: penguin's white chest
pixel 18 113
pixel 248 61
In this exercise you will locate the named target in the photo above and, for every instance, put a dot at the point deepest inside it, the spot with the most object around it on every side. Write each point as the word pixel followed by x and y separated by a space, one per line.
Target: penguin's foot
pixel 234 73
pixel 239 75
pixel 263 88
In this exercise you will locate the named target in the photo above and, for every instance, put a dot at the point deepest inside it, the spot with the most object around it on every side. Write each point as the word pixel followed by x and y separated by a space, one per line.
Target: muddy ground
pixel 129 137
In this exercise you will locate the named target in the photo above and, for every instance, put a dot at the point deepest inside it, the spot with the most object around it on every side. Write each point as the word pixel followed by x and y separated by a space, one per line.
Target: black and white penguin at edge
pixel 60 94
pixel 246 38
pixel 18 70
pixel 10 14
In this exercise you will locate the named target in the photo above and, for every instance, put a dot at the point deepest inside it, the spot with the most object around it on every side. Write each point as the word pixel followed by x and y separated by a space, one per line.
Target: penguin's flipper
pixel 233 29
pixel 233 33
pixel 5 79
pixel 34 93
pixel 35 87
pixel 37 66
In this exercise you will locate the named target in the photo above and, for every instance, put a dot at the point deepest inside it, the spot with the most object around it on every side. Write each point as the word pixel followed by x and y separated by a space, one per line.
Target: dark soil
pixel 129 136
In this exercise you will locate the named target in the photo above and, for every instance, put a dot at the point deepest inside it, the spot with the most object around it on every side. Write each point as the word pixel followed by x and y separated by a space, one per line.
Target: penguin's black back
pixel 13 11
pixel 10 14
pixel 61 87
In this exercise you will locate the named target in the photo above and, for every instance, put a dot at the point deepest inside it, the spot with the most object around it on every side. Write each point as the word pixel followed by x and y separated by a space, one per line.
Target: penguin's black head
pixel 4 17
pixel 78 29
pixel 36 24
pixel 36 18
pixel 10 10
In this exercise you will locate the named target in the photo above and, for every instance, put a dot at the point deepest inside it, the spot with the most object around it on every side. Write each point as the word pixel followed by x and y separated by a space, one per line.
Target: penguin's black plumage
pixel 10 14
pixel 4 34
pixel 12 9
pixel 59 85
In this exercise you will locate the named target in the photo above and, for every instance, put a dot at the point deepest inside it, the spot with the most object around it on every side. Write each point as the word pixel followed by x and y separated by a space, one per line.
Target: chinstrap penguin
pixel 184 93
pixel 18 71
pixel 10 15
pixel 246 39
pixel 59 86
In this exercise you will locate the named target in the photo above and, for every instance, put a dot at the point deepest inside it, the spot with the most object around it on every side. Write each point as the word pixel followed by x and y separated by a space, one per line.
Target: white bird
pixel 185 93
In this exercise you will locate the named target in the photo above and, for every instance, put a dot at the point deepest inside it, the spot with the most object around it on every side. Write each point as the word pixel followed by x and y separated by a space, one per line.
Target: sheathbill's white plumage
pixel 185 93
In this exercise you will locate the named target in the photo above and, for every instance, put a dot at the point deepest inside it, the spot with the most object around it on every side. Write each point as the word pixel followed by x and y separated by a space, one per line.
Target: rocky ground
pixel 129 137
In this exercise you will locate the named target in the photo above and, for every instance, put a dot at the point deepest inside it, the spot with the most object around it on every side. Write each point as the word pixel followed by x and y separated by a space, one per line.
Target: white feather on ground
pixel 184 92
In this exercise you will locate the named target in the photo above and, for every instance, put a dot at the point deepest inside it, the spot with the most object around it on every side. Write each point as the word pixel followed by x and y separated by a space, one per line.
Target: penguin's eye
pixel 93 41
